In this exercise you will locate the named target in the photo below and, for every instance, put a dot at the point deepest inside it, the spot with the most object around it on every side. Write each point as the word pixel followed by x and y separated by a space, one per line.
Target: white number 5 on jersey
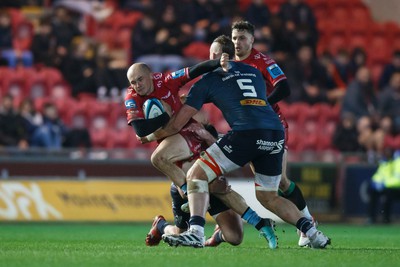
pixel 247 87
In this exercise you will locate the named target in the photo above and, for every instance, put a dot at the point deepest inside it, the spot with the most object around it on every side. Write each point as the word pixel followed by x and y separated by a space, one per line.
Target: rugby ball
pixel 152 108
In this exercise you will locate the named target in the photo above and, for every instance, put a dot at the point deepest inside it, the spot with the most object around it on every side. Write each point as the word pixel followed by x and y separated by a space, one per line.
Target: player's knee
pixel 234 239
pixel 158 159
pixel 266 197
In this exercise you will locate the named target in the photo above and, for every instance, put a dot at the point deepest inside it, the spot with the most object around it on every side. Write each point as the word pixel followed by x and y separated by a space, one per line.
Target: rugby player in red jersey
pixel 277 89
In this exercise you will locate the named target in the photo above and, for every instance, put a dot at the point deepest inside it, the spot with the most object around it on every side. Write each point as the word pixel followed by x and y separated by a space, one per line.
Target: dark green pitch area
pixel 91 244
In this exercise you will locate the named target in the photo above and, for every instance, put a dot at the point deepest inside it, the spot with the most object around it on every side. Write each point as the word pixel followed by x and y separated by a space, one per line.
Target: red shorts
pixel 196 145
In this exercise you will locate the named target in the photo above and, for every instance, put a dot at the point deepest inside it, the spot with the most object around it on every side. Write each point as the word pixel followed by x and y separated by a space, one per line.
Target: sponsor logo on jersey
pixel 274 71
pixel 130 103
pixel 178 73
pixel 272 146
pixel 253 102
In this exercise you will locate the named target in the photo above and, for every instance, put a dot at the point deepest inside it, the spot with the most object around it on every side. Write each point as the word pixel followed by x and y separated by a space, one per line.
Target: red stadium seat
pixel 358 40
pixel 99 138
pixel 117 116
pixel 76 115
pixel 119 138
pixel 124 39
pixel 197 50
pixel 13 82
pixel 324 142
pixel 98 114
pixel 338 41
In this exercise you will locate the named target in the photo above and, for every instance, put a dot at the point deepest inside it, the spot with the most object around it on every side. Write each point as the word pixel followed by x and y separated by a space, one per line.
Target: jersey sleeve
pixel 175 80
pixel 133 107
pixel 272 73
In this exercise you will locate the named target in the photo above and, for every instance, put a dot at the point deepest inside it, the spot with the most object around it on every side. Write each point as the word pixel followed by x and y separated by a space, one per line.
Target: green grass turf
pixel 98 245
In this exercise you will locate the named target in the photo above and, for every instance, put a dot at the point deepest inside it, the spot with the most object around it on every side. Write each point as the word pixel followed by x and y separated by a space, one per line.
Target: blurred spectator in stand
pixel 171 38
pixel 307 78
pixel 168 41
pixel 358 59
pixel 79 69
pixel 389 69
pixel 111 73
pixel 258 14
pixel 14 55
pixel 44 43
pixel 30 117
pixel 5 30
pixel 64 31
pixel 51 133
pixel 156 6
pixel 12 130
pixel 77 136
pixel 342 64
pixel 203 16
pixel 223 12
pixel 336 87
pixel 384 187
pixel 360 98
pixel 345 137
pixel 298 19
pixel 384 128
pixel 389 101
pixel 143 39
pixel 281 45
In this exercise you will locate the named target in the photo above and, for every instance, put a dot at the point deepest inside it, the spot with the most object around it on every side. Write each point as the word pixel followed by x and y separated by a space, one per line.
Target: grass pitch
pixel 98 245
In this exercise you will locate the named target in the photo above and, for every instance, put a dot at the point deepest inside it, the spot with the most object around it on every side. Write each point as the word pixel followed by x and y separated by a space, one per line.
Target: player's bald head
pixel 137 68
pixel 140 78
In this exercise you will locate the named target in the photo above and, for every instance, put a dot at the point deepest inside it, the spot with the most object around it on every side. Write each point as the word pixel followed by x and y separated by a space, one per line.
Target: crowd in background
pixel 171 34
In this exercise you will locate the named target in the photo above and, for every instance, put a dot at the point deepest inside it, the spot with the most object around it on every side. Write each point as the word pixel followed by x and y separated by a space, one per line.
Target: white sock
pixel 307 213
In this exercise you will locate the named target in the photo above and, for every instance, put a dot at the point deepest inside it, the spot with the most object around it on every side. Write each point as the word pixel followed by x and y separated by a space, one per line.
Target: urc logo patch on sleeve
pixel 178 73
pixel 274 70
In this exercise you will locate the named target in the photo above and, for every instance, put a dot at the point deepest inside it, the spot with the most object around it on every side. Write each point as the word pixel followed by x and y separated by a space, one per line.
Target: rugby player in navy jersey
pixel 277 89
pixel 183 147
pixel 257 137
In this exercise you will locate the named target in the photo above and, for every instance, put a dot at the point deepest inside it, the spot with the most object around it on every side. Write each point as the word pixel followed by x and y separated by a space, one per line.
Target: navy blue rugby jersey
pixel 240 94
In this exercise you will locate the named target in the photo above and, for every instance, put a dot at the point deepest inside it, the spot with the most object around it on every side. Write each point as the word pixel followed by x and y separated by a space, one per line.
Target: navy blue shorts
pixel 264 148
pixel 181 218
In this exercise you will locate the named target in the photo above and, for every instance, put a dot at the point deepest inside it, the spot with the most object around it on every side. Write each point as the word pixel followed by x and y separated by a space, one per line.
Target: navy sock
pixel 295 195
pixel 304 224
pixel 197 220
pixel 251 217
pixel 161 225
pixel 218 237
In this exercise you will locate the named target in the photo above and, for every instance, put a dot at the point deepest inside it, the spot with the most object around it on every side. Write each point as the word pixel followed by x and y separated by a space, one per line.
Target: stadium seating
pixel 341 24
